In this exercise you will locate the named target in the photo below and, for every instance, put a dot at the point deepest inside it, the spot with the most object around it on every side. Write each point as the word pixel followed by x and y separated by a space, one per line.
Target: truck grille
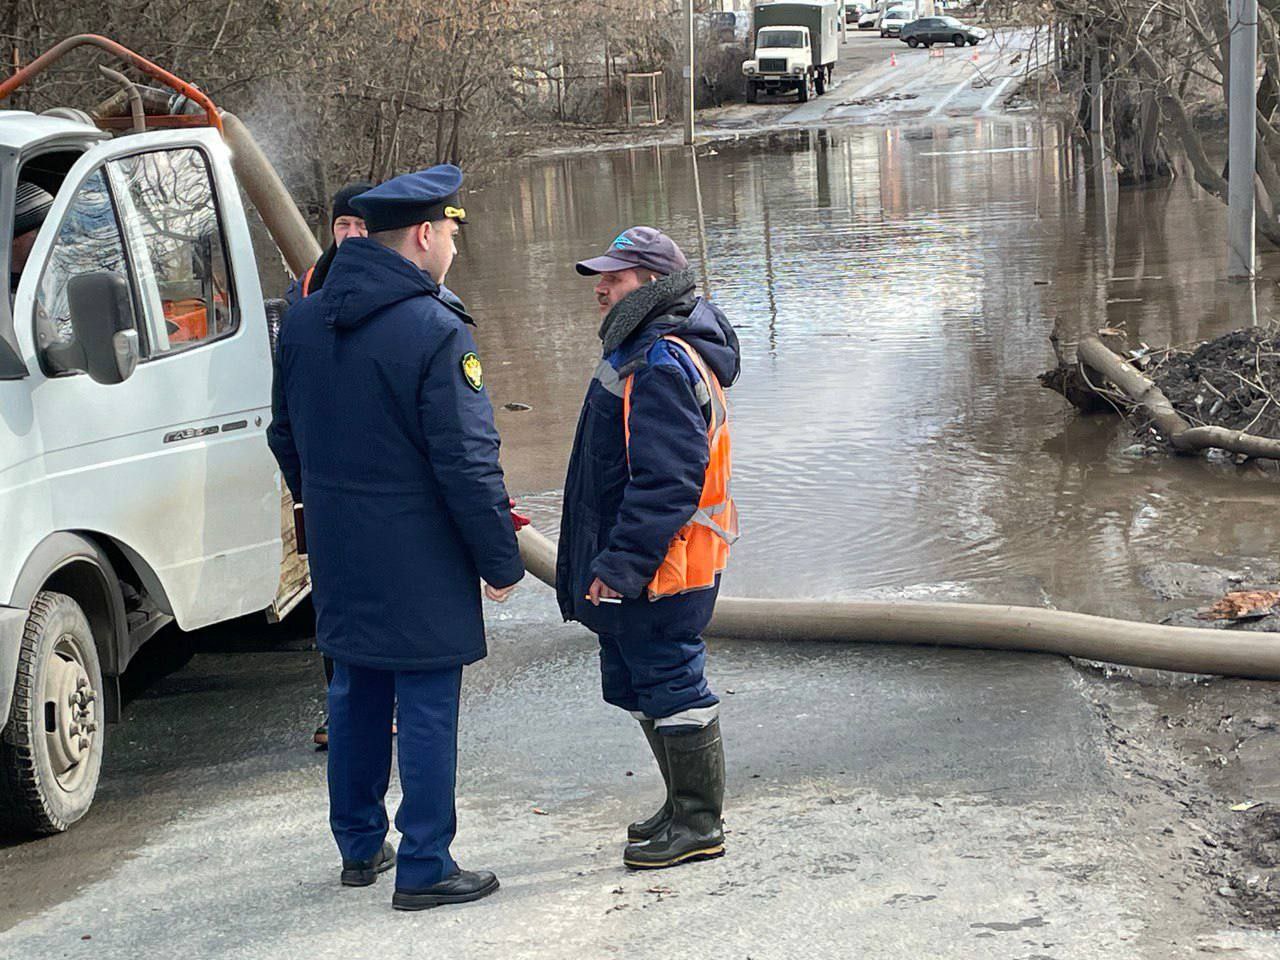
pixel 773 65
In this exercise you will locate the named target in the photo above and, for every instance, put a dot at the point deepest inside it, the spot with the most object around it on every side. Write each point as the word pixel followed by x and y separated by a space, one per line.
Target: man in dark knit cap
pixel 345 221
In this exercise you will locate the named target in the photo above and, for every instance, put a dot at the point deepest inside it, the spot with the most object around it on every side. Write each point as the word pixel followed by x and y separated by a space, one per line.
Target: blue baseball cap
pixel 410 198
pixel 642 247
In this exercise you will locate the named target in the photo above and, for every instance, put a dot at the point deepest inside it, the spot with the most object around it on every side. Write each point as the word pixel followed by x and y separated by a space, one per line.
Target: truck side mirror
pixel 105 335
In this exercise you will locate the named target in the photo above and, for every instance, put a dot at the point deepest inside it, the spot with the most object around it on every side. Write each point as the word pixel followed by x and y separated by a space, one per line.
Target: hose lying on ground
pixel 978 625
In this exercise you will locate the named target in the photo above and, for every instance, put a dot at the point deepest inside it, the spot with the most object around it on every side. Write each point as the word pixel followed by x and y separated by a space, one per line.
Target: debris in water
pixel 1243 605
pixel 516 405
pixel 1246 806
pixel 539 811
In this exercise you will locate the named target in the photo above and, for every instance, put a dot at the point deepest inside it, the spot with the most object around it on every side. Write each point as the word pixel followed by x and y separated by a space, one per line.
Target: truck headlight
pixel 797 69
pixel 748 68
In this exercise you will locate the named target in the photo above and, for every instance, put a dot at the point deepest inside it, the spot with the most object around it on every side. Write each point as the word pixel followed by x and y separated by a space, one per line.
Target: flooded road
pixel 894 290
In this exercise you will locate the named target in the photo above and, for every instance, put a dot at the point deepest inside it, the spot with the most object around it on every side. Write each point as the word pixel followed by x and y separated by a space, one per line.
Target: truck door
pixel 171 463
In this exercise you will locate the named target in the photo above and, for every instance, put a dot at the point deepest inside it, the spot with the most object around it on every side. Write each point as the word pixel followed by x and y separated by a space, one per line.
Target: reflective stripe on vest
pixel 700 549
pixel 306 281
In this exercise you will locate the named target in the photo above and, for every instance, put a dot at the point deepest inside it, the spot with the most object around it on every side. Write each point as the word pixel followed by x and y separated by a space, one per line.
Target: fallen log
pixel 1184 437
pixel 982 626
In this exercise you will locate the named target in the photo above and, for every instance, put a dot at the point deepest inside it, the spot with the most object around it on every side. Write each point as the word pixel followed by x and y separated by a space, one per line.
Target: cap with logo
pixel 421 197
pixel 642 247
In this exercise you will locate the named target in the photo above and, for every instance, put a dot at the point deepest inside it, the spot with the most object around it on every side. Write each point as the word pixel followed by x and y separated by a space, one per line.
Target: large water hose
pixel 976 625
pixel 270 197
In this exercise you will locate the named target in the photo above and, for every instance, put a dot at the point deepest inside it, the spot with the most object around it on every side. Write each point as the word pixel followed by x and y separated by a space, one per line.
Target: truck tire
pixel 802 95
pixel 820 82
pixel 753 93
pixel 51 748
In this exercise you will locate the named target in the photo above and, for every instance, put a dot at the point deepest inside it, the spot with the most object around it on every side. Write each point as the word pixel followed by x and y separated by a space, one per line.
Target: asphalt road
pixel 882 802
pixel 882 80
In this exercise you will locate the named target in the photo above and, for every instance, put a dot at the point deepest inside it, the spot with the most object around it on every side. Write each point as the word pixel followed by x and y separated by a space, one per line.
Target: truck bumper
pixel 12 623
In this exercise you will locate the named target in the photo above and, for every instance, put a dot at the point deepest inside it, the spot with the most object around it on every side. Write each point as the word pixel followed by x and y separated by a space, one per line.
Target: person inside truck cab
pixel 345 221
pixel 31 206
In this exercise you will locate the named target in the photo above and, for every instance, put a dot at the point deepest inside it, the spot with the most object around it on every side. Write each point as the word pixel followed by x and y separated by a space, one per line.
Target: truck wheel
pixel 820 82
pixel 51 748
pixel 958 40
pixel 803 95
pixel 753 94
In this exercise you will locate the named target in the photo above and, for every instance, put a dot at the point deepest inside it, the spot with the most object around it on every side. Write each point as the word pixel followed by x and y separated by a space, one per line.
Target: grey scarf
pixel 631 312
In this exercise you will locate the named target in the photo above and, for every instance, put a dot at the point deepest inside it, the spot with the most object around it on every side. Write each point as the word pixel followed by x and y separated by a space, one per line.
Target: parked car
pixel 870 19
pixel 927 31
pixel 894 20
pixel 853 12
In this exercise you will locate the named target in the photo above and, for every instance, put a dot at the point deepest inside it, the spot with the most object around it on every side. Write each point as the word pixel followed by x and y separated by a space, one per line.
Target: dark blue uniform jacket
pixel 395 457
pixel 617 524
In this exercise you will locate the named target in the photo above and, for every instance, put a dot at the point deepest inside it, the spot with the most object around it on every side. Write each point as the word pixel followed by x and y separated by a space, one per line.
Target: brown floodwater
pixel 894 290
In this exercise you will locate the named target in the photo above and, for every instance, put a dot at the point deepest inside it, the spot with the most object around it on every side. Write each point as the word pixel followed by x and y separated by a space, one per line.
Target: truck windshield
pixel 793 39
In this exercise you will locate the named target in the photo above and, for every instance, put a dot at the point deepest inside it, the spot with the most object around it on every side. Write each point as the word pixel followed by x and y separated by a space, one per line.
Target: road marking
pixel 963 153
pixel 951 95
pixel 995 94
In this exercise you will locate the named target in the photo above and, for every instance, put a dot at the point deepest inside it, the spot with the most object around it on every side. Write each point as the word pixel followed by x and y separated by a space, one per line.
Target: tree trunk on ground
pixel 1183 437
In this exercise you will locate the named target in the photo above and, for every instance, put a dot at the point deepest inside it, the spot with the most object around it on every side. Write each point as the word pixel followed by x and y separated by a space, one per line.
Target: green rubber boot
pixel 645 829
pixel 695 768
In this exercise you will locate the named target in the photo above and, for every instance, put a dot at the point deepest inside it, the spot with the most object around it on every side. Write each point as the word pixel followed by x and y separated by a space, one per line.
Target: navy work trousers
pixel 652 658
pixel 362 702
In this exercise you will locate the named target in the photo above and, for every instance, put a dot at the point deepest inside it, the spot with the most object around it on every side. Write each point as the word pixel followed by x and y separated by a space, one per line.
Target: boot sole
pixel 366 878
pixel 707 853
pixel 425 901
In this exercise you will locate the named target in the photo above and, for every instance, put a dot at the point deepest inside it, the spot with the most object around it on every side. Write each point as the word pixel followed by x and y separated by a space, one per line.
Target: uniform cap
pixel 638 247
pixel 411 198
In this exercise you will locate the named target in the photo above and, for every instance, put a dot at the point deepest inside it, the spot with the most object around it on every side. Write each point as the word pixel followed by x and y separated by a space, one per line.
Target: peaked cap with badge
pixel 421 197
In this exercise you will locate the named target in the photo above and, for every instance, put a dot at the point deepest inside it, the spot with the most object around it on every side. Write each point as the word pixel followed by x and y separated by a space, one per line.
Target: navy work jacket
pixel 619 518
pixel 383 430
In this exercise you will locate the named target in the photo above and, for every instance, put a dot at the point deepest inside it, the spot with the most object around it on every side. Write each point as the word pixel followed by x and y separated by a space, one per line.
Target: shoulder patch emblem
pixel 472 372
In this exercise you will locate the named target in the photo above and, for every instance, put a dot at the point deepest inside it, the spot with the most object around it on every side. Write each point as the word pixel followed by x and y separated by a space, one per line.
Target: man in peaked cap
pixel 384 430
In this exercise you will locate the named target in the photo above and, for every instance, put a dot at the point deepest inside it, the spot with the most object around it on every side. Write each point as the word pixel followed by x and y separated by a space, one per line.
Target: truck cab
pixel 136 487
pixel 782 62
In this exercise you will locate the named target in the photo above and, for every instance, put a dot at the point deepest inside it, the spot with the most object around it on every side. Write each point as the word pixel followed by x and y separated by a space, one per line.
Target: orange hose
pixel 57 52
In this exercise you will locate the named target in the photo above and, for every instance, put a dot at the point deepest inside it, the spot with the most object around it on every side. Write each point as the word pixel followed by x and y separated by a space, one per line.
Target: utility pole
pixel 1243 137
pixel 688 72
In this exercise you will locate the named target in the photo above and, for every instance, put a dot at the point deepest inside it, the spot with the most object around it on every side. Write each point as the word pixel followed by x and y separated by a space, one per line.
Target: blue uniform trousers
pixel 652 657
pixel 362 702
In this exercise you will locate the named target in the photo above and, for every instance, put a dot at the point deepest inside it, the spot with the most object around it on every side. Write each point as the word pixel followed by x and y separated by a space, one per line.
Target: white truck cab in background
pixel 136 487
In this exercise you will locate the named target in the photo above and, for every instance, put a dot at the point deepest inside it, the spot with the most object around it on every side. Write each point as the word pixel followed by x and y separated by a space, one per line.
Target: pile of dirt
pixel 1231 382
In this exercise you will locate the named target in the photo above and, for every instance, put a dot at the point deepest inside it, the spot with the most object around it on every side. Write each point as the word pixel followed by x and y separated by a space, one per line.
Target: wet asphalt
pixel 890 801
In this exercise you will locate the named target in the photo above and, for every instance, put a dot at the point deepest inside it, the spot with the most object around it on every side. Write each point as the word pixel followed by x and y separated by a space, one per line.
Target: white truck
pixel 796 48
pixel 136 487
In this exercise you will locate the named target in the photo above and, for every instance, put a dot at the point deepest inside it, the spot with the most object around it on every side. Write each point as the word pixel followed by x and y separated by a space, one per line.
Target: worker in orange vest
pixel 647 524
pixel 344 221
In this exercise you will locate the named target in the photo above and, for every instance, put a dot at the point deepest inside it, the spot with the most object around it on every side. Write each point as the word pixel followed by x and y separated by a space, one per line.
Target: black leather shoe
pixel 463 887
pixel 361 873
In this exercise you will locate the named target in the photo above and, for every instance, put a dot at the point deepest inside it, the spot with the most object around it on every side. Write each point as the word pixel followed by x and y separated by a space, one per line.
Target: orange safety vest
pixel 700 550
pixel 306 281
